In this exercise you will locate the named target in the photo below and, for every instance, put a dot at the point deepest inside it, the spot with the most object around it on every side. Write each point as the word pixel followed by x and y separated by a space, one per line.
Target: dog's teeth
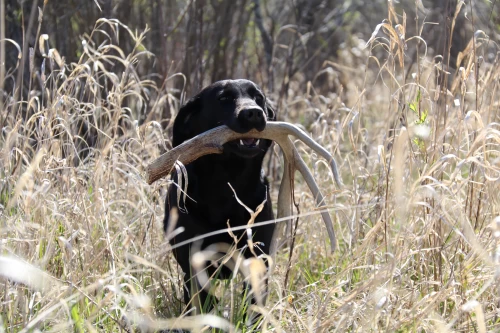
pixel 257 142
pixel 242 143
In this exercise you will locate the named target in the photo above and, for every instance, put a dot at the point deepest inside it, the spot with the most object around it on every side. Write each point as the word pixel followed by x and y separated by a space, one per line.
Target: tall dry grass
pixel 418 221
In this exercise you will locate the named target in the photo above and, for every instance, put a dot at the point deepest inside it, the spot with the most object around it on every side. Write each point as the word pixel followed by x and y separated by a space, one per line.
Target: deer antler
pixel 212 141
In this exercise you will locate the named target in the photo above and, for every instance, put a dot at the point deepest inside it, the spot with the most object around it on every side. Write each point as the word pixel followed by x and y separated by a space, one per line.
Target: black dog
pixel 211 203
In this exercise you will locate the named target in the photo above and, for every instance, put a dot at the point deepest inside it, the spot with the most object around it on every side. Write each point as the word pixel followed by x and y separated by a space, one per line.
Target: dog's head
pixel 238 104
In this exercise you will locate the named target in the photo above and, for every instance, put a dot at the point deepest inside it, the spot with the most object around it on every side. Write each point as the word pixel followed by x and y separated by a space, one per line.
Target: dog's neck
pixel 208 183
pixel 208 179
pixel 218 170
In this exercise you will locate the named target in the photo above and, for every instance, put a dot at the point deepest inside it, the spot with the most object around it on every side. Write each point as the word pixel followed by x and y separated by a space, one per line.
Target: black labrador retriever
pixel 210 201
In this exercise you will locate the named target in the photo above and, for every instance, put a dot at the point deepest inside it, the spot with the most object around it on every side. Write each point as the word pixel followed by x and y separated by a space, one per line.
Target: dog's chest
pixel 216 197
pixel 220 206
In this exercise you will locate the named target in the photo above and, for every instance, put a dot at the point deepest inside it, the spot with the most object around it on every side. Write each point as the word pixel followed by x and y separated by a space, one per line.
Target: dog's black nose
pixel 252 118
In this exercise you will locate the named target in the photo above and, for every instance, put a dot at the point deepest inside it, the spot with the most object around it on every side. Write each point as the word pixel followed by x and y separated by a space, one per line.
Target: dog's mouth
pixel 246 147
pixel 249 143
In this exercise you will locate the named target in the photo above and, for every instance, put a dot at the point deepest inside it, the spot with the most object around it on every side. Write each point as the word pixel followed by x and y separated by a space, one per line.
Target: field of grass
pixel 82 246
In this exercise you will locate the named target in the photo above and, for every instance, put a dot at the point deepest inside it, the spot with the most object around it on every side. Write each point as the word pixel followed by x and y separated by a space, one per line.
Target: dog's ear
pixel 271 114
pixel 184 123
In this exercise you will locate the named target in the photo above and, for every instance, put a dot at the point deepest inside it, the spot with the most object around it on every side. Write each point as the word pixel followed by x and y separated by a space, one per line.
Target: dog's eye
pixel 259 99
pixel 226 98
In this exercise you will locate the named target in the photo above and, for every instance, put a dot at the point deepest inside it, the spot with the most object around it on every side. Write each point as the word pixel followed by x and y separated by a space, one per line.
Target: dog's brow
pixel 253 92
pixel 227 91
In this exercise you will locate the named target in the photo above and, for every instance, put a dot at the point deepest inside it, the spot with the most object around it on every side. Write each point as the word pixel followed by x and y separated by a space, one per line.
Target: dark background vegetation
pixel 270 42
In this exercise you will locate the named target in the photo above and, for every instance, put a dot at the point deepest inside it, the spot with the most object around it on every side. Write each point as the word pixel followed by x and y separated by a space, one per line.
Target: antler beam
pixel 212 141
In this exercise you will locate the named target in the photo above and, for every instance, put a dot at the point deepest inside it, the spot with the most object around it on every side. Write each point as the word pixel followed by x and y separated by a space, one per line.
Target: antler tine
pixel 320 200
pixel 291 154
pixel 302 136
pixel 284 200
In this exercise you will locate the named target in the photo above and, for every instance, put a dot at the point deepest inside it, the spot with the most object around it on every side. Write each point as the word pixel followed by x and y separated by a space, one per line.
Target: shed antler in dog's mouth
pixel 212 141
